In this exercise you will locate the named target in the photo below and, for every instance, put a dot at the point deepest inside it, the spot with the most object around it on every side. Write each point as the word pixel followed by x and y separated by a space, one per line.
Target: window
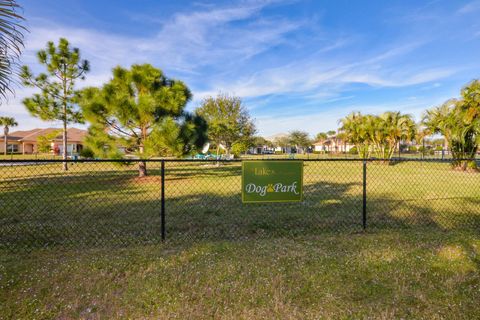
pixel 12 148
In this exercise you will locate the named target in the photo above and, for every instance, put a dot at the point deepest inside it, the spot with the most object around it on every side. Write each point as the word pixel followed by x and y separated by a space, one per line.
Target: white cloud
pixel 182 45
pixel 470 7
pixel 310 75
pixel 325 120
pixel 209 45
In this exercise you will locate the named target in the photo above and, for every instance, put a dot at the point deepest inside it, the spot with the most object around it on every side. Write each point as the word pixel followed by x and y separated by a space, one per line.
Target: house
pixel 261 149
pixel 332 144
pixel 26 142
pixel 281 143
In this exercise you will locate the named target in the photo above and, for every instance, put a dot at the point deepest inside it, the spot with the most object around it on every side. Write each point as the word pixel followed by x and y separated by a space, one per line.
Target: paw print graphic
pixel 270 188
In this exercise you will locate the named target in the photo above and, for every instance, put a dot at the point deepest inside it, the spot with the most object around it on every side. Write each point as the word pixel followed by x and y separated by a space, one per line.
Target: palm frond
pixel 11 45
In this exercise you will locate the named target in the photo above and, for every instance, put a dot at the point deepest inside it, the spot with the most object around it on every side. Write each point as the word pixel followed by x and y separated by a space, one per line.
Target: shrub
pixel 87 153
pixel 278 152
pixel 438 148
pixel 239 148
pixel 353 150
pixel 472 165
pixel 412 149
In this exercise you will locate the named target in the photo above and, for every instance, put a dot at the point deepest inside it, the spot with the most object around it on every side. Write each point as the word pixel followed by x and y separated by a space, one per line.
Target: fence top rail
pixel 7 161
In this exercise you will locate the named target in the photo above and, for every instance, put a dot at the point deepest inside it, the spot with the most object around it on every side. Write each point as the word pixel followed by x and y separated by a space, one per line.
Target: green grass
pixel 333 155
pixel 29 156
pixel 394 274
pixel 418 259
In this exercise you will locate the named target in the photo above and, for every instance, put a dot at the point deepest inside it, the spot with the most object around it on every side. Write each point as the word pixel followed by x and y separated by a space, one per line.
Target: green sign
pixel 272 181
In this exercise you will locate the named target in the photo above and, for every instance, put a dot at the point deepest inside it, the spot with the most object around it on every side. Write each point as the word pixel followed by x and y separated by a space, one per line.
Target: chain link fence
pixel 105 203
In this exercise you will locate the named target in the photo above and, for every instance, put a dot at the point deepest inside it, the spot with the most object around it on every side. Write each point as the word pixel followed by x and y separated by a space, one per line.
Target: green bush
pixel 472 165
pixel 239 148
pixel 87 153
pixel 412 149
pixel 353 150
pixel 438 148
pixel 278 152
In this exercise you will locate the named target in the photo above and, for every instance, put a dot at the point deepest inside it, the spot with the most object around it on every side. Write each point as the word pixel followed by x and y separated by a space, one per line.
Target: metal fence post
pixel 162 213
pixel 364 210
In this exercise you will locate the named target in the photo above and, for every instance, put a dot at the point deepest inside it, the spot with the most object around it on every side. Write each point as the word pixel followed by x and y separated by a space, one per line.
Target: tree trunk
pixel 65 118
pixel 5 144
pixel 142 169
pixel 64 138
pixel 142 165
pixel 218 154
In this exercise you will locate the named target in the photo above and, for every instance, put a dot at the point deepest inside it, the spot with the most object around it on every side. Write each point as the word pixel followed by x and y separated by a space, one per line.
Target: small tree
pixel 57 99
pixel 300 140
pixel 142 111
pixel 228 121
pixel 7 123
pixel 44 143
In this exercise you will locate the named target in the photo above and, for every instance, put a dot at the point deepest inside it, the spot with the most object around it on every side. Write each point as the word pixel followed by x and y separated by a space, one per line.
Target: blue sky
pixel 296 64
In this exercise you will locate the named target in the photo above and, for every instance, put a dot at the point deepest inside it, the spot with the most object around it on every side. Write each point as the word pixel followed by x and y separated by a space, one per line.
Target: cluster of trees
pixel 457 120
pixel 300 140
pixel 229 124
pixel 140 109
pixel 143 111
pixel 324 135
pixel 378 135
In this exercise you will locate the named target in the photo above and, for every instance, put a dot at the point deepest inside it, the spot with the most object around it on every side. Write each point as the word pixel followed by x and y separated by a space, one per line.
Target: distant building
pixel 332 144
pixel 261 149
pixel 25 142
pixel 275 138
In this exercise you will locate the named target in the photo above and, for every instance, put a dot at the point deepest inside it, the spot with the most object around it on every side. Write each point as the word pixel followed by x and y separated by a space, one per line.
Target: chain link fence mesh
pixel 105 203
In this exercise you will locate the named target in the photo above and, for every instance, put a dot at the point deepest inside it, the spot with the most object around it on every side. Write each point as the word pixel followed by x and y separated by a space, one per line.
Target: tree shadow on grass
pixel 106 208
pixel 441 213
pixel 114 208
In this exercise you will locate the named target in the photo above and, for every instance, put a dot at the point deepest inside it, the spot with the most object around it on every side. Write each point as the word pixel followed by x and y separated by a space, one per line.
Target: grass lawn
pixel 392 274
pixel 419 258
pixel 44 156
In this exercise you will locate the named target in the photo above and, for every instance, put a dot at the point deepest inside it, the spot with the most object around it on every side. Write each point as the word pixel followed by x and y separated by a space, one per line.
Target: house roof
pixel 329 140
pixel 73 134
pixel 18 135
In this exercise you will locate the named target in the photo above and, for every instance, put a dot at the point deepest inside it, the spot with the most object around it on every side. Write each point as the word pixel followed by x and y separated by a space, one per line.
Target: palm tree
pixel 11 43
pixel 343 137
pixel 394 127
pixel 358 129
pixel 458 120
pixel 321 136
pixel 380 134
pixel 7 123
